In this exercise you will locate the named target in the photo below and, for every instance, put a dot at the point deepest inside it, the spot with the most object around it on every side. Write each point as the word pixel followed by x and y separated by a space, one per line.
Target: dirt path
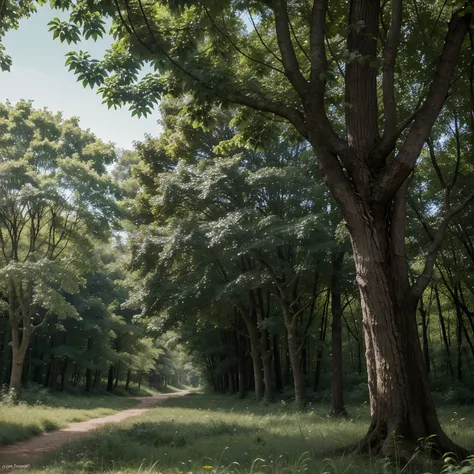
pixel 25 453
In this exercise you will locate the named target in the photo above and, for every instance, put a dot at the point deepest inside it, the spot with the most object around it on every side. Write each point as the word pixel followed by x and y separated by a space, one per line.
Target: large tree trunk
pixel 17 370
pixel 337 399
pixel 401 403
pixel 18 358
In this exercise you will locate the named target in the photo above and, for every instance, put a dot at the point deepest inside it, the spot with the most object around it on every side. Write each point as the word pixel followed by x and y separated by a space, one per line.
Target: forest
pixel 295 245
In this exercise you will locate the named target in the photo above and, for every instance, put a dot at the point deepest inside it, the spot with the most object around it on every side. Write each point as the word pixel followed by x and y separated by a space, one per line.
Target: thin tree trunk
pixel 295 360
pixel 252 329
pixel 129 376
pixel 424 329
pixel 337 398
pixel 443 333
pixel 240 365
pixel 277 363
pixel 110 379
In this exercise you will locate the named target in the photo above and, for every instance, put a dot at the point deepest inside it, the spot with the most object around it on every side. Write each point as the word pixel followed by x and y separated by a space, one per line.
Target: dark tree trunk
pixel 319 351
pixel 251 323
pixel 424 336
pixel 96 379
pixel 240 365
pixel 337 398
pixel 63 373
pixel 129 376
pixel 277 363
pixel 110 379
pixel 286 363
pixel 294 354
pixel 117 376
pixel 88 386
pixel 266 354
pixel 139 380
pixel 459 344
pixel 443 333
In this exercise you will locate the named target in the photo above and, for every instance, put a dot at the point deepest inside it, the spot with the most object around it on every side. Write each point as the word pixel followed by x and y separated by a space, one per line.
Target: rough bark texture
pixel 402 407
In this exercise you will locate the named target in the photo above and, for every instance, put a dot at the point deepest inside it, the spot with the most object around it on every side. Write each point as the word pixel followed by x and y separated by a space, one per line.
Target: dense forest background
pixel 195 259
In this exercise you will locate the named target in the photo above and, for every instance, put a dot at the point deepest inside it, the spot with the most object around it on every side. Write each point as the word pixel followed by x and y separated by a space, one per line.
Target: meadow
pixel 39 411
pixel 220 434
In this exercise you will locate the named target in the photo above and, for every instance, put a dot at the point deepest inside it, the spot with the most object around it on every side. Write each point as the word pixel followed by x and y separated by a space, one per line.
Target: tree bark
pixel 443 333
pixel 129 377
pixel 240 365
pixel 18 358
pixel 295 360
pixel 277 363
pixel 424 336
pixel 266 354
pixel 338 408
pixel 400 399
pixel 252 329
pixel 110 379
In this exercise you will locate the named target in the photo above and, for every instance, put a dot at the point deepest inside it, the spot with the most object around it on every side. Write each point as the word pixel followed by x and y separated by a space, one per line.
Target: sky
pixel 38 73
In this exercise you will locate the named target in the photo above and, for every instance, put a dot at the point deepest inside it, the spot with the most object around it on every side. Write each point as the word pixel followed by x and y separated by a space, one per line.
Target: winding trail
pixel 22 455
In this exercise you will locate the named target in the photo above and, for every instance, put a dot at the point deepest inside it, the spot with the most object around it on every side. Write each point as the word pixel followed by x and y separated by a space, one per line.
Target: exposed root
pixel 401 450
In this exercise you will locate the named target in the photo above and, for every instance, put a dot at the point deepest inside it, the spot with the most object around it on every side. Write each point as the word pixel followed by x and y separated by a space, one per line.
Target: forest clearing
pixel 267 203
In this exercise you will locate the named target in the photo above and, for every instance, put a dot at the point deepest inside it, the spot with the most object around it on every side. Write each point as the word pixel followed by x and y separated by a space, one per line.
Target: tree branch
pixel 237 48
pixel 389 60
pixel 395 174
pixel 288 54
pixel 424 279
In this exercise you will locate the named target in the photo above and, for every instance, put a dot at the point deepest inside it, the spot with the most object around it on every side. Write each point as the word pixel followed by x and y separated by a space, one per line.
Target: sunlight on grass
pixel 215 434
pixel 43 412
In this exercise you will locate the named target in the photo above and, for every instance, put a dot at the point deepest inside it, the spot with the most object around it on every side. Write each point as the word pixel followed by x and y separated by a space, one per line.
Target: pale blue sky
pixel 38 73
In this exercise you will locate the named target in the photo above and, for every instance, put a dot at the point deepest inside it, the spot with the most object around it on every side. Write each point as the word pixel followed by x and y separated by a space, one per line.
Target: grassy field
pixel 206 433
pixel 41 411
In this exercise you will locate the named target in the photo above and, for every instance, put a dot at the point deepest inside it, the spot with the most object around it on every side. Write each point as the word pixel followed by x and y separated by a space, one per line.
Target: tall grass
pixel 39 411
pixel 207 433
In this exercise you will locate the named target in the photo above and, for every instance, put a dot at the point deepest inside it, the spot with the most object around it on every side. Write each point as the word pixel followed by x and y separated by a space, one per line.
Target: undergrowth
pixel 221 435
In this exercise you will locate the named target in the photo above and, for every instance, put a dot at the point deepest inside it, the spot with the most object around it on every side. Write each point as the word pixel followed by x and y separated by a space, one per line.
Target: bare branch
pixel 424 279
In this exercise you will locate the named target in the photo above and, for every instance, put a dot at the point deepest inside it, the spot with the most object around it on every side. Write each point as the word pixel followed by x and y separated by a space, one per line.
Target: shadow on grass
pixel 171 447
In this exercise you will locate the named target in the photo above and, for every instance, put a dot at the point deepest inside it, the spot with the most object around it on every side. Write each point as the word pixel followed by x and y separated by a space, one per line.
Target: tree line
pixel 375 99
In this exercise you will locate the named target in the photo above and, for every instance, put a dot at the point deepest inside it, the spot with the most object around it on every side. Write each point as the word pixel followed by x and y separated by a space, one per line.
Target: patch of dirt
pixel 22 455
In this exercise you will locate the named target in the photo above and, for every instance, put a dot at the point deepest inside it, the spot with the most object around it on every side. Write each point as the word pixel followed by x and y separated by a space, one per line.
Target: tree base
pixel 338 413
pixel 402 450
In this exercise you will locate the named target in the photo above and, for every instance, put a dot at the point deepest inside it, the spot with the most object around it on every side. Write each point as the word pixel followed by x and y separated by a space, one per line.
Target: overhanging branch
pixel 424 279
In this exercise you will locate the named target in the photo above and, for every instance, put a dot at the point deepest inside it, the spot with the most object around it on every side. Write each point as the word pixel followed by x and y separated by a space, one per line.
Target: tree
pixel 11 12
pixel 365 152
pixel 54 202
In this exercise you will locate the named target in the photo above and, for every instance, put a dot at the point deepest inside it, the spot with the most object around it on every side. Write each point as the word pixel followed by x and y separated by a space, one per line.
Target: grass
pixel 40 411
pixel 209 433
